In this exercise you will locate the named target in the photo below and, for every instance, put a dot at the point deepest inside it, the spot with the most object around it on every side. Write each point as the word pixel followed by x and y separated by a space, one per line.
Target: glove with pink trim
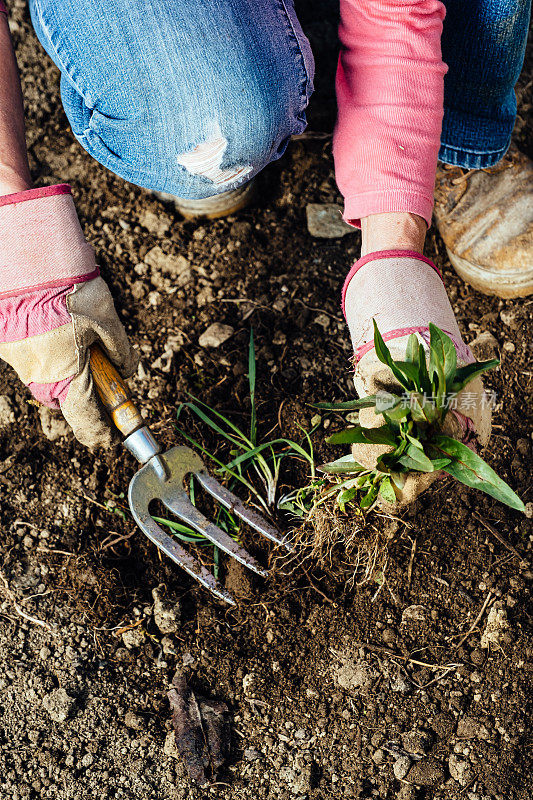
pixel 54 305
pixel 403 291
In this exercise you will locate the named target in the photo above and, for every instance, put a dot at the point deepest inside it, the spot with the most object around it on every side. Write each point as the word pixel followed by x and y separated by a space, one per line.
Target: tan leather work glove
pixel 404 292
pixel 53 306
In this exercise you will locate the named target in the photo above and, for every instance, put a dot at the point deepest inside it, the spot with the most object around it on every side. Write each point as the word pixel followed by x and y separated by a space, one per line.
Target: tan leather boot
pixel 219 205
pixel 485 218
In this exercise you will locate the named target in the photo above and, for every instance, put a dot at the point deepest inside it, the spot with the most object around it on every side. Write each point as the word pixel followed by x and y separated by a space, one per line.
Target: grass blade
pixel 251 381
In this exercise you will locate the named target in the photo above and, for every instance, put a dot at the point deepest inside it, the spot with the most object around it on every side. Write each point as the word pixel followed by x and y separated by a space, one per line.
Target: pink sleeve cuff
pixel 3 9
pixel 362 204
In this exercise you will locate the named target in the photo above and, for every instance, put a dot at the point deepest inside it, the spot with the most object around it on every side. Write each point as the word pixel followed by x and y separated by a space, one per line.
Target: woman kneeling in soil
pixel 193 99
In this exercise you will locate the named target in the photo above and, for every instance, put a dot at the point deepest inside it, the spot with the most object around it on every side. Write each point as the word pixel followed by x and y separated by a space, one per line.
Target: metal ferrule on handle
pixel 142 444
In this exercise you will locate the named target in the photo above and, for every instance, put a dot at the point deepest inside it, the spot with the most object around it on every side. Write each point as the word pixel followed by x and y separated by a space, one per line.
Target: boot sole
pixel 506 285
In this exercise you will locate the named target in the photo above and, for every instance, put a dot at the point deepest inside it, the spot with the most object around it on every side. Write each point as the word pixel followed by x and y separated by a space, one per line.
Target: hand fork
pixel 161 478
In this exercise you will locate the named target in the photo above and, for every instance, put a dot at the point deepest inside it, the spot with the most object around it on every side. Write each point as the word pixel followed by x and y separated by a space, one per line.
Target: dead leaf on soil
pixel 201 729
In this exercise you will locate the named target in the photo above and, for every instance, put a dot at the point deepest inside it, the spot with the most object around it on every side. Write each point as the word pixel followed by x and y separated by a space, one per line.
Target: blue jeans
pixel 194 97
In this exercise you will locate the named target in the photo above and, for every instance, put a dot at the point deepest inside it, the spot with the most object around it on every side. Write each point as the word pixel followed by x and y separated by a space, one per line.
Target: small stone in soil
pixel 167 613
pixel 427 772
pixel 460 770
pixel 497 628
pixel 59 705
pixel 324 221
pixel 215 335
pixel 53 424
pixel 7 415
pixel 401 767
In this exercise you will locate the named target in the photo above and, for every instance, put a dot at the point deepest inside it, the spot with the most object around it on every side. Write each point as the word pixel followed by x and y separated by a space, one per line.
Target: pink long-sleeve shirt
pixel 390 84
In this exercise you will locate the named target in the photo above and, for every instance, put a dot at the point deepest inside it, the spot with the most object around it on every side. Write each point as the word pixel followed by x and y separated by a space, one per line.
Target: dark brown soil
pixel 327 684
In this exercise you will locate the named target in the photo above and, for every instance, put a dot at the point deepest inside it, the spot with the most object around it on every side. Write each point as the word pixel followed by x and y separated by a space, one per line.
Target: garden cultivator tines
pixel 161 477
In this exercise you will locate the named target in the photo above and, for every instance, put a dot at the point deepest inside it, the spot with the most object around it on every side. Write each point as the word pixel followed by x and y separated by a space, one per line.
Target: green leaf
pixel 411 353
pixel 384 355
pixel 346 496
pixel 348 405
pixel 465 374
pixel 442 346
pixel 399 478
pixel 341 466
pixel 381 435
pixel 440 463
pixel 386 491
pixel 416 459
pixel 251 381
pixel 470 469
pixel 368 499
pixel 425 383
pixel 423 410
pixel 353 435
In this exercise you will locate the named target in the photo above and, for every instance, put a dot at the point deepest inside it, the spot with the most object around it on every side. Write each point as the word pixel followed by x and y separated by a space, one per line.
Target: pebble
pixel 7 414
pixel 159 224
pixel 414 613
pixel 355 675
pixel 324 221
pixel 215 335
pixel 509 347
pixel 497 628
pixel 401 767
pixel 133 721
pixel 509 317
pixel 460 770
pixel 167 613
pixel 484 346
pixel 59 704
pixel 176 267
pixel 251 754
pixel 417 742
pixel 53 424
pixel 134 637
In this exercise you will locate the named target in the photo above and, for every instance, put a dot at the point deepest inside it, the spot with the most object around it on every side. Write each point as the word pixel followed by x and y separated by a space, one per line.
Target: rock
pixel 529 510
pixel 170 748
pixel 134 637
pixel 497 629
pixel 470 728
pixel 133 721
pixel 159 224
pixel 215 335
pixel 251 754
pixel 168 272
pixel 298 777
pixel 378 756
pixel 59 705
pixel 509 317
pixel 324 221
pixel 172 345
pixel 167 613
pixel 401 767
pixel 417 742
pixel 7 415
pixel 460 770
pixel 484 346
pixel 399 684
pixel 354 676
pixel 53 424
pixel 414 613
pixel 427 772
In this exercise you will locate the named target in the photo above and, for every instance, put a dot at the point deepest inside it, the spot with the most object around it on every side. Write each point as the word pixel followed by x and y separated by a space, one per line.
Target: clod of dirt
pixel 326 222
pixel 59 705
pixel 354 676
pixel 298 777
pixel 53 424
pixel 484 346
pixel 427 772
pixel 238 581
pixel 497 629
pixel 134 637
pixel 215 335
pixel 158 224
pixel 417 742
pixel 7 415
pixel 415 613
pixel 167 613
pixel 202 731
pixel 168 272
pixel 460 770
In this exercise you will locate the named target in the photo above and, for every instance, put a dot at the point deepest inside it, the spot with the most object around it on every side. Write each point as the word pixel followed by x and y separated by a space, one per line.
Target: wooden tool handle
pixel 114 393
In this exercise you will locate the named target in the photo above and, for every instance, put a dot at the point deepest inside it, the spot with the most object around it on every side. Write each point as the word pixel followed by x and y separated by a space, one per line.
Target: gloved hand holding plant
pixel 416 418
